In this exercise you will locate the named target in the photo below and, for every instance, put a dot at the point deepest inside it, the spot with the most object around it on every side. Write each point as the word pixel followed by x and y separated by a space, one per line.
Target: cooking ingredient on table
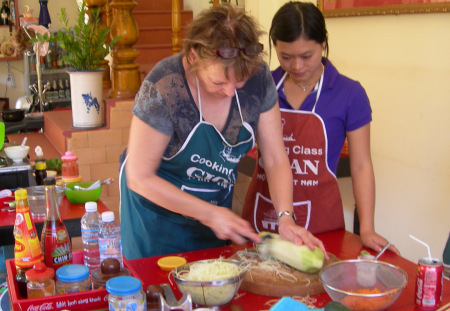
pixel 40 281
pixel 55 239
pixel 210 282
pixel 342 284
pixel 72 278
pixel 90 225
pixel 40 165
pixel 109 268
pixel 110 239
pixel 125 293
pixel 69 168
pixel 54 165
pixel 270 277
pixel 27 250
pixel 300 257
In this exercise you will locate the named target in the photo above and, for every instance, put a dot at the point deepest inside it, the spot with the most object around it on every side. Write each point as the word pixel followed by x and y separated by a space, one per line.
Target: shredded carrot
pixel 358 303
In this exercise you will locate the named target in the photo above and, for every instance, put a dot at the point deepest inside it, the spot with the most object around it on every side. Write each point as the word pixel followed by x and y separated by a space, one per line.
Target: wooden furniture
pixel 70 213
pixel 341 243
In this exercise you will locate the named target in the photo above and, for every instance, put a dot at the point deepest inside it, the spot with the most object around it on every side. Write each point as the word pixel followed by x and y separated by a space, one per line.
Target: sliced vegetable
pixel 300 257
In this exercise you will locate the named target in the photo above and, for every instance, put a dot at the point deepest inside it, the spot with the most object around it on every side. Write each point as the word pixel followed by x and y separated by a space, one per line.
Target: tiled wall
pixel 98 150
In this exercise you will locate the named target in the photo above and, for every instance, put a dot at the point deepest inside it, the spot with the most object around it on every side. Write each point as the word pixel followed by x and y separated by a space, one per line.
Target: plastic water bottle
pixel 90 225
pixel 109 238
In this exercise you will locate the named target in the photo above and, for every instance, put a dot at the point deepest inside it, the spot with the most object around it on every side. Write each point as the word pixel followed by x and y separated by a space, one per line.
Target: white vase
pixel 86 88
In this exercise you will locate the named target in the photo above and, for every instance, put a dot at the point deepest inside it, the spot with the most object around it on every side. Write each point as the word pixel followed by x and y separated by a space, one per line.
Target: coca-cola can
pixel 429 283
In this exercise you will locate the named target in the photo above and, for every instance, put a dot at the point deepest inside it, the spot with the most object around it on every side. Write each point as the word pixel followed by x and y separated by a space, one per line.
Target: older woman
pixel 195 117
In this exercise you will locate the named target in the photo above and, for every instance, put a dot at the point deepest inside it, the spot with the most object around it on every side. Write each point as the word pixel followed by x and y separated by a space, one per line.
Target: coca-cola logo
pixel 43 307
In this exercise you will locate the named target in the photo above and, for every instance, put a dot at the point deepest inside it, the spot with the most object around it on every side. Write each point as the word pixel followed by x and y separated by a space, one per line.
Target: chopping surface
pixel 276 279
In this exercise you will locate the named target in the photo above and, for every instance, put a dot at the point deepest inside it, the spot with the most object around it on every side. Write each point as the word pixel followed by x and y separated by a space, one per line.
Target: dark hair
pixel 296 19
pixel 224 26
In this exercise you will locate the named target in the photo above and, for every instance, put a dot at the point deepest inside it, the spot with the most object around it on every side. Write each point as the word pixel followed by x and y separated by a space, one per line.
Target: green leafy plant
pixel 86 43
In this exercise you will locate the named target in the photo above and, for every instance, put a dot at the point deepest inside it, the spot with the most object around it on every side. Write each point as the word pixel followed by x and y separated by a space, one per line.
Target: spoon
pixel 96 184
pixel 382 251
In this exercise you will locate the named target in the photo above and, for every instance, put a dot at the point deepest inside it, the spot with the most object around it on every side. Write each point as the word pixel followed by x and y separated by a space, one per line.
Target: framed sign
pixel 341 8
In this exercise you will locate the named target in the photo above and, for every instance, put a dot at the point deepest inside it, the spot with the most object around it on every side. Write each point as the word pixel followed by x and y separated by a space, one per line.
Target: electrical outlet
pixel 11 80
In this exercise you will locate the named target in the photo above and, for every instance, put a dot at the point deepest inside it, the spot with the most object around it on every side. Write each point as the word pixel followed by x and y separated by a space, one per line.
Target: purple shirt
pixel 343 106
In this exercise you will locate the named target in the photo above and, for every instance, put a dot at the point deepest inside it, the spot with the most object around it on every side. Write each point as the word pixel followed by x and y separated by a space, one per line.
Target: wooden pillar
pixel 125 73
pixel 176 26
pixel 100 4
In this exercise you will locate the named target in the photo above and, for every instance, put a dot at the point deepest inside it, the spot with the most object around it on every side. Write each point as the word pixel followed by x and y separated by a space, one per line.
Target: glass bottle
pixel 55 239
pixel 40 166
pixel 44 16
pixel 27 250
pixel 4 13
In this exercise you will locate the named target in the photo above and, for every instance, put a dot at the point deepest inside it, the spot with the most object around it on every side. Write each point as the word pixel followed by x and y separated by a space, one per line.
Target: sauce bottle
pixel 69 168
pixel 55 239
pixel 27 250
pixel 40 166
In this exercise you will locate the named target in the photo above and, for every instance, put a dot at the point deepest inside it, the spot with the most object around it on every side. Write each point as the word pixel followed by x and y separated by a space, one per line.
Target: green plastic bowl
pixel 82 196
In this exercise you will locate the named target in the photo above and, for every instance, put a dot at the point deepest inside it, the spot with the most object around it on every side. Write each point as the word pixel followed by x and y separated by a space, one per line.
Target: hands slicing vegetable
pixel 300 257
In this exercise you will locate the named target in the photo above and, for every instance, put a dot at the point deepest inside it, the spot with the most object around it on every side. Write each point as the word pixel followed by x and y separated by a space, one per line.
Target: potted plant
pixel 86 45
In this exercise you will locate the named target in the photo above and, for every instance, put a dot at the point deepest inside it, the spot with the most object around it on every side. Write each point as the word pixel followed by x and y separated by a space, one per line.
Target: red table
pixel 70 213
pixel 341 243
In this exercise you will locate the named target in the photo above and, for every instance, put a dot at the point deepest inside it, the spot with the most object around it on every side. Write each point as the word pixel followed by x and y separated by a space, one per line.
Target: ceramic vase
pixel 86 89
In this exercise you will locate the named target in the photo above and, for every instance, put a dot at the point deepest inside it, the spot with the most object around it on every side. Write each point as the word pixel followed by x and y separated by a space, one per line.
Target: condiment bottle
pixel 27 250
pixel 69 168
pixel 40 166
pixel 125 293
pixel 40 281
pixel 55 239
pixel 72 279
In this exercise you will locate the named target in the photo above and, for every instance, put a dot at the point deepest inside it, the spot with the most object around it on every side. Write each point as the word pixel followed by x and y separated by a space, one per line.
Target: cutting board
pixel 290 282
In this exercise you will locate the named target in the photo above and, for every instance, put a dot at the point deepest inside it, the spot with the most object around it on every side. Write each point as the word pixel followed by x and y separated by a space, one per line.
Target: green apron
pixel 206 167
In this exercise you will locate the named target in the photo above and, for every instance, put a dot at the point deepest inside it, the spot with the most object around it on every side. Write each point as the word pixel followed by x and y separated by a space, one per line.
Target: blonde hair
pixel 219 27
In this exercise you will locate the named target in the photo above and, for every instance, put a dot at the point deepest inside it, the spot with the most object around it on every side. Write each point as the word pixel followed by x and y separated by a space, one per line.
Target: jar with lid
pixel 109 268
pixel 69 168
pixel 125 293
pixel 72 278
pixel 40 281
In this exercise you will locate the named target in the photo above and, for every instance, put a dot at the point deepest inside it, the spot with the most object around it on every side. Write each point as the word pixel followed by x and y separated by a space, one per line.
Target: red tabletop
pixel 343 244
pixel 70 213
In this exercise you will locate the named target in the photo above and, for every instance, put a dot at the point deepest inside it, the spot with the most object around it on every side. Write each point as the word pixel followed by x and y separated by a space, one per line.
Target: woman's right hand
pixel 229 226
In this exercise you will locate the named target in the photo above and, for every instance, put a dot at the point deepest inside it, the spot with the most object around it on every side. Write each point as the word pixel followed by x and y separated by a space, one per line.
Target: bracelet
pixel 287 213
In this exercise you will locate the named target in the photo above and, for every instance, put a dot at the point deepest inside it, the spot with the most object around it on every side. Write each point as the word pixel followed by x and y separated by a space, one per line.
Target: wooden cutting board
pixel 290 282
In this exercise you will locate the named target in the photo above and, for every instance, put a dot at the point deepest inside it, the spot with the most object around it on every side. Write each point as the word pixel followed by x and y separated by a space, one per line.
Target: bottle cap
pixel 39 273
pixel 21 194
pixel 39 152
pixel 169 263
pixel 49 181
pixel 68 156
pixel 90 206
pixel 107 216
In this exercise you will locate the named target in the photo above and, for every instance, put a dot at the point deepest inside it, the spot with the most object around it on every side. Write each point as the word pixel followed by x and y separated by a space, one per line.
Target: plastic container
pixel 90 225
pixel 69 168
pixel 125 293
pixel 109 269
pixel 109 239
pixel 27 250
pixel 40 281
pixel 40 165
pixel 72 278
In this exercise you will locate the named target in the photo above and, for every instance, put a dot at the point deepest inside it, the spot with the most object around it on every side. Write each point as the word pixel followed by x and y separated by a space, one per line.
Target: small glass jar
pixel 72 279
pixel 125 293
pixel 40 281
pixel 69 167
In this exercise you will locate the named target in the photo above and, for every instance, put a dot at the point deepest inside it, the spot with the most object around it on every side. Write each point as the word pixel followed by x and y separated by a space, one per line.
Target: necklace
pixel 303 87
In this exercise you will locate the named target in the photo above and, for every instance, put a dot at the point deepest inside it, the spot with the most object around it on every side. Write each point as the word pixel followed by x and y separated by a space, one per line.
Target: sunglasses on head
pixel 228 53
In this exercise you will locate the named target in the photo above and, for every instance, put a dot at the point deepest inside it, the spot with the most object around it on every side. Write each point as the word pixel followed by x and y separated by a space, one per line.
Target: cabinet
pixel 6 47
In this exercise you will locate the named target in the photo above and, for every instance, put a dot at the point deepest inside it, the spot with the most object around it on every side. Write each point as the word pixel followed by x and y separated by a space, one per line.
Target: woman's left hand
pixel 374 241
pixel 289 231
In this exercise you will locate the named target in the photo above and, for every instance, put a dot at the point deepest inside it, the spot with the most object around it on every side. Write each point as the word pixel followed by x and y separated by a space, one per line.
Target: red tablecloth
pixel 343 244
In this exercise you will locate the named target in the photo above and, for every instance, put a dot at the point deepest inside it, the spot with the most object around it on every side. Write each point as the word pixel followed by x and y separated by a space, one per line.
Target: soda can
pixel 429 283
